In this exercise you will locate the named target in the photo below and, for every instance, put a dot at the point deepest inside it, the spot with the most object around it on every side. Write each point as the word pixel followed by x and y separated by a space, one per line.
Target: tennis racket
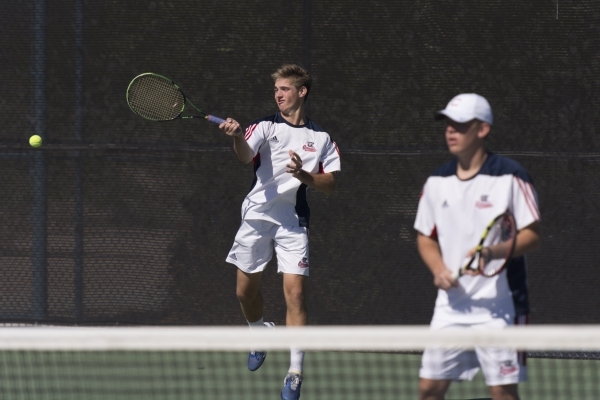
pixel 157 98
pixel 495 247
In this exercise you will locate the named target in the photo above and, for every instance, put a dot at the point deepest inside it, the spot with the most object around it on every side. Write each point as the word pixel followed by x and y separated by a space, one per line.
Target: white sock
pixel 296 361
pixel 258 324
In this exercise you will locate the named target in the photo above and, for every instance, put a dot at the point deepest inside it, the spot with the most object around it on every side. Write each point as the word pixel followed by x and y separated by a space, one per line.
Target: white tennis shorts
pixel 500 366
pixel 255 241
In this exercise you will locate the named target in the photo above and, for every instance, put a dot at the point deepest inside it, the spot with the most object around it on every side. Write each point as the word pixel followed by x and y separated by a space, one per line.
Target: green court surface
pixel 223 375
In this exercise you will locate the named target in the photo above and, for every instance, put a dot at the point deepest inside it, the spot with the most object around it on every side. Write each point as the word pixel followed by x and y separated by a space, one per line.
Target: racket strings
pixel 155 98
pixel 501 237
pixel 496 235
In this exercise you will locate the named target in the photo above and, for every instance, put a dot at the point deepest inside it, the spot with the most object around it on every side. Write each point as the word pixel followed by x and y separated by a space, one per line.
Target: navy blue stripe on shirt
pixel 302 208
pixel 494 165
pixel 516 274
pixel 278 119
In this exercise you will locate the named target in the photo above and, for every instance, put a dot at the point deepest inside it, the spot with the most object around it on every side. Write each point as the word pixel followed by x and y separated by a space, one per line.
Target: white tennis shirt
pixel 276 195
pixel 456 212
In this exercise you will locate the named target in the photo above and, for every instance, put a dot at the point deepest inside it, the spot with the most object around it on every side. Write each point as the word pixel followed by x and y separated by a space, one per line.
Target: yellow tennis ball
pixel 35 141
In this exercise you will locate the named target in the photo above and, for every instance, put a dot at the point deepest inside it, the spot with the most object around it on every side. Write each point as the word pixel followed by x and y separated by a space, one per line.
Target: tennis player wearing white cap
pixel 455 206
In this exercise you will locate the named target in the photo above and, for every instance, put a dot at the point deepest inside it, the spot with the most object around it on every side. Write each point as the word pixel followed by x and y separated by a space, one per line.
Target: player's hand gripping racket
pixel 157 98
pixel 495 247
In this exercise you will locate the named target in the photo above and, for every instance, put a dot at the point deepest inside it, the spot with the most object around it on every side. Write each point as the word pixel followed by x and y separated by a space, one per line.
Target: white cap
pixel 466 107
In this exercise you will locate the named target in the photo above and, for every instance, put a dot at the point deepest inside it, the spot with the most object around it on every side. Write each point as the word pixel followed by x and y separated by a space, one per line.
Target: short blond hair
pixel 298 75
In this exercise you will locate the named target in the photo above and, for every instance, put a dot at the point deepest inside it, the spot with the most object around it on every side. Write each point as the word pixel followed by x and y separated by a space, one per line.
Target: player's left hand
pixel 295 165
pixel 444 279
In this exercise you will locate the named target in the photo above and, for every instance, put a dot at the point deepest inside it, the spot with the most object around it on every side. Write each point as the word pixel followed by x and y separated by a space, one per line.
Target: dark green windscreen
pixel 119 220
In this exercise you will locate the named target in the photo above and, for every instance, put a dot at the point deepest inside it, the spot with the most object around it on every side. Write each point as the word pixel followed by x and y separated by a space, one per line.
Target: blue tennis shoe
pixel 291 387
pixel 256 358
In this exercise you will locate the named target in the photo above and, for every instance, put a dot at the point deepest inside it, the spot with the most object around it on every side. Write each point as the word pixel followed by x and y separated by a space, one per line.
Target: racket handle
pixel 214 119
pixel 219 121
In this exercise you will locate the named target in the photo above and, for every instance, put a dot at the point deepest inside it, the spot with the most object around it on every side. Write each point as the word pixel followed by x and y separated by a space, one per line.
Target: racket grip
pixel 214 119
pixel 219 121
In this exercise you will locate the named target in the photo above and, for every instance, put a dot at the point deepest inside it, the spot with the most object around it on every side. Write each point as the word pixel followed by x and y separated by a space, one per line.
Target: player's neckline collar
pixel 488 155
pixel 306 121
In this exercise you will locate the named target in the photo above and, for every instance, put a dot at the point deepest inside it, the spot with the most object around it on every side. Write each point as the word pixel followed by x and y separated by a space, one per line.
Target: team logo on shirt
pixel 303 263
pixel 309 146
pixel 507 368
pixel 483 202
pixel 274 139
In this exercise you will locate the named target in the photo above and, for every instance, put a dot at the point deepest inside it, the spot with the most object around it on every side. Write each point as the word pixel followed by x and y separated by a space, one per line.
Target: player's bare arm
pixel 528 239
pixel 430 252
pixel 232 128
pixel 322 182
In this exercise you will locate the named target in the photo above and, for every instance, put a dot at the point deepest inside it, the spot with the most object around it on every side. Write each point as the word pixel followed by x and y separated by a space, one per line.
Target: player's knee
pixel 295 296
pixel 432 389
pixel 245 295
pixel 504 392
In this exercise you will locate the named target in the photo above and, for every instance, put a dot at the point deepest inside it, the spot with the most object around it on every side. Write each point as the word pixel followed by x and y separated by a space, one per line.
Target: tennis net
pixel 351 362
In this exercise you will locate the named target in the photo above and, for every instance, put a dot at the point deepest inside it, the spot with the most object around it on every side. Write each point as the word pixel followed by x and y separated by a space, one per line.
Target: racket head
pixel 499 242
pixel 155 97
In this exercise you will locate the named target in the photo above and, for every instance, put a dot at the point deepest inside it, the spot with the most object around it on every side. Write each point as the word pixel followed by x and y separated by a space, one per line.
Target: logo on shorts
pixel 303 263
pixel 233 256
pixel 483 202
pixel 309 146
pixel 507 368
